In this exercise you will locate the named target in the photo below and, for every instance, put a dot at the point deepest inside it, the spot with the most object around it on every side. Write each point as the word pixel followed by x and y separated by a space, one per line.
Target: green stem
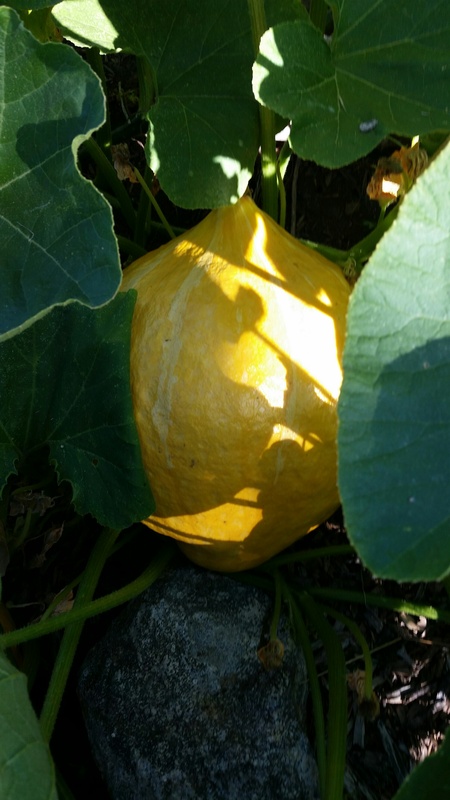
pixel 269 182
pixel 277 607
pixel 140 232
pixel 308 555
pixel 147 84
pixel 124 541
pixel 130 248
pixel 301 634
pixel 282 193
pixel 282 164
pixel 250 579
pixel 18 542
pixel 154 202
pixel 393 603
pixel 361 639
pixel 446 583
pixel 95 60
pixel 177 229
pixel 62 595
pixel 33 487
pixel 64 792
pixel 318 12
pixel 110 175
pixel 90 609
pixel 283 158
pixel 71 637
pixel 360 252
pixel 337 710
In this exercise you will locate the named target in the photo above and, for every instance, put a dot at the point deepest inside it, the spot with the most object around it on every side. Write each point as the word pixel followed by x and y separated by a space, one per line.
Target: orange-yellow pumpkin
pixel 236 349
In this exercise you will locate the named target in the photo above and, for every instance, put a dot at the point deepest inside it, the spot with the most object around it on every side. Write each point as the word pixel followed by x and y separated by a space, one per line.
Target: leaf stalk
pixel 269 182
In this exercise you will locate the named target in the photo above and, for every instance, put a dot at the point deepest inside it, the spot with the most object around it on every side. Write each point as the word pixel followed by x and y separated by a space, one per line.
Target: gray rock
pixel 178 706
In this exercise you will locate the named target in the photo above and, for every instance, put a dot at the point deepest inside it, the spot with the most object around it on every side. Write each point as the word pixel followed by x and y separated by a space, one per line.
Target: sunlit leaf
pixel 85 23
pixel 394 409
pixel 384 70
pixel 197 58
pixel 29 5
pixel 56 229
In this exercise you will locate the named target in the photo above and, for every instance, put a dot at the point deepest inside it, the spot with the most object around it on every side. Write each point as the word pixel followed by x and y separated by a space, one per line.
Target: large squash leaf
pixel 198 55
pixel 394 409
pixel 385 70
pixel 56 229
pixel 65 385
pixel 430 780
pixel 26 5
pixel 85 23
pixel 26 768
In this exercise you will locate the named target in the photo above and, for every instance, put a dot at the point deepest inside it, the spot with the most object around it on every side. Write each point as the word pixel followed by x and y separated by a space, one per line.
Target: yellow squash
pixel 236 353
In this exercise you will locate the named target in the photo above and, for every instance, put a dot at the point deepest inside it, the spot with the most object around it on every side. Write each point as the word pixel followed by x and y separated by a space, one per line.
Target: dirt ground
pixel 411 671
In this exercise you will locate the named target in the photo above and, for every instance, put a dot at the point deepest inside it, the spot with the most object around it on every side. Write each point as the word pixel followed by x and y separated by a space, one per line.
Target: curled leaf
pixel 369 707
pixel 271 655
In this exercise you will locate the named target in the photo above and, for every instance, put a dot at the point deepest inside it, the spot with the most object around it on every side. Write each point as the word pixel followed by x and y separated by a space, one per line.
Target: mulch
pixel 411 671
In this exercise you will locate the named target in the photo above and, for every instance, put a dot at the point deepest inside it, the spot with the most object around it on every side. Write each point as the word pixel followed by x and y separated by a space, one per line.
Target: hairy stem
pixel 269 182
pixel 72 634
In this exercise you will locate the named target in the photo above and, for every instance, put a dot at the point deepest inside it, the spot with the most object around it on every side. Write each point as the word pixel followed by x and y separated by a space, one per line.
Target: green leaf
pixel 85 23
pixel 198 55
pixel 205 112
pixel 384 71
pixel 430 780
pixel 34 5
pixel 394 409
pixel 26 768
pixel 56 229
pixel 65 385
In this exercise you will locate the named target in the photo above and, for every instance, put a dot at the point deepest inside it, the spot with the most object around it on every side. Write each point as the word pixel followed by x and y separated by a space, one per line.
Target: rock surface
pixel 179 707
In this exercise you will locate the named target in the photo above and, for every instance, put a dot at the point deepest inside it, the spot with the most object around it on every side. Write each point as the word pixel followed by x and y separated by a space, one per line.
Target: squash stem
pixel 147 84
pixel 130 248
pixel 337 711
pixel 277 607
pixel 285 559
pixel 318 12
pixel 110 175
pixel 301 635
pixel 73 632
pixel 154 202
pixel 95 60
pixel 142 214
pixel 282 192
pixel 380 601
pixel 446 583
pixel 269 181
pixel 362 250
pixel 85 610
pixel 361 640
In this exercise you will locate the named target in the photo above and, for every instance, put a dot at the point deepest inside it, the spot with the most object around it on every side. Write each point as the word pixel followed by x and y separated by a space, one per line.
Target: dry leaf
pixel 369 707
pixel 121 161
pixel 66 604
pixel 395 175
pixel 36 502
pixel 51 538
pixel 272 654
